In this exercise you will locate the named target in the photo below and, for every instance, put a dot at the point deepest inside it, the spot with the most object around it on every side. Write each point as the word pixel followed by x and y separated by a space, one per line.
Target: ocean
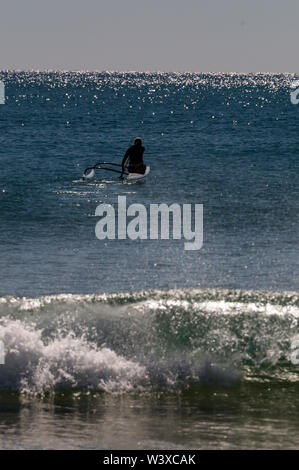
pixel 142 344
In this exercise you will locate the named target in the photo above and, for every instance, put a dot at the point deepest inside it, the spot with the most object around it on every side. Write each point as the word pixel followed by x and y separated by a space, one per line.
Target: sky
pixel 150 35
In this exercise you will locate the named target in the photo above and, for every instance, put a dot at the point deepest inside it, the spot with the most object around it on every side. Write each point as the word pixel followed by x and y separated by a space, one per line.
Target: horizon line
pixel 144 71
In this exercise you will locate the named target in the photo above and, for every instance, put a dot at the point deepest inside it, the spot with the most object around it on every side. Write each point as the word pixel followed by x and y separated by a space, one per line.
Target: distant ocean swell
pixel 168 340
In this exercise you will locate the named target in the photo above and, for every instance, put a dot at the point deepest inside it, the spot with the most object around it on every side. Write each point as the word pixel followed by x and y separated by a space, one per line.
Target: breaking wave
pixel 168 340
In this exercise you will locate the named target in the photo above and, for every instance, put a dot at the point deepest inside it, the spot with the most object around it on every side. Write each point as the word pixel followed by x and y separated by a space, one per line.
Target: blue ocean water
pixel 202 338
pixel 229 142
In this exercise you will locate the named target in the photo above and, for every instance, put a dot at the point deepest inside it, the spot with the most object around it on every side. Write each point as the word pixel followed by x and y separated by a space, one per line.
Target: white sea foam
pixel 32 365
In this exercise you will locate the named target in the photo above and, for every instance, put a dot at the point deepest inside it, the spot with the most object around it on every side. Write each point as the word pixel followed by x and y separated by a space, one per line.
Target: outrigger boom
pixel 99 166
pixel 107 166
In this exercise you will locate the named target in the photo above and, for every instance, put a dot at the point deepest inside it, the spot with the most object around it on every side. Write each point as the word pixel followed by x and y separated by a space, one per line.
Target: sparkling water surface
pixel 142 344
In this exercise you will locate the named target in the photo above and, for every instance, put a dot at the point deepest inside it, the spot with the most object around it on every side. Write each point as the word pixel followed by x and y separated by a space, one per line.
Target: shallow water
pixel 241 417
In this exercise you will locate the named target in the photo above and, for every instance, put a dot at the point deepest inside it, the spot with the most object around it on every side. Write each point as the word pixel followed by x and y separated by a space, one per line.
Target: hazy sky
pixel 166 35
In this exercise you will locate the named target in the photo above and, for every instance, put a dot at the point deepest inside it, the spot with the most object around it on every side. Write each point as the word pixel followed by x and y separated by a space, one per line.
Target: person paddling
pixel 135 156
